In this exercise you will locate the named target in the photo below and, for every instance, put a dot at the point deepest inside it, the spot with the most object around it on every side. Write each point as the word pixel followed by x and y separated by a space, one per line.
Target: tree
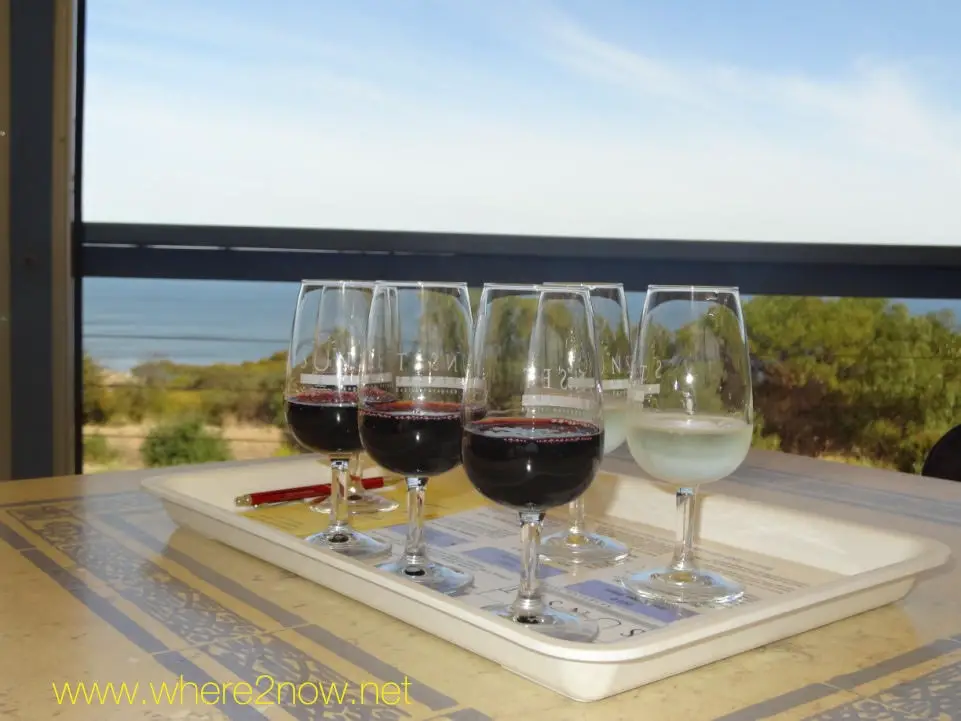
pixel 857 377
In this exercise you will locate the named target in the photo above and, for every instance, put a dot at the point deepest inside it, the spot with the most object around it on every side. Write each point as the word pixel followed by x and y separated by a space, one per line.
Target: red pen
pixel 300 493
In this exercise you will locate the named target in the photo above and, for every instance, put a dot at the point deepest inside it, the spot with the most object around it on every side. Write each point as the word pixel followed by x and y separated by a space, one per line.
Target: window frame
pixel 288 254
pixel 41 243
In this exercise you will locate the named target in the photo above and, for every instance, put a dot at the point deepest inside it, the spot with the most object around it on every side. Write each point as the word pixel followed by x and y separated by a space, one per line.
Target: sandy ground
pixel 246 442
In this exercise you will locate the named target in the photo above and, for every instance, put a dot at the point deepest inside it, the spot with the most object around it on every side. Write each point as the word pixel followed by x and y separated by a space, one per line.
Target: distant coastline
pixel 128 321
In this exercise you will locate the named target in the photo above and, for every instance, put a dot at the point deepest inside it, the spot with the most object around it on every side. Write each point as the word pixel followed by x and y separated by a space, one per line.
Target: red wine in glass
pixel 411 399
pixel 533 425
pixel 320 396
pixel 529 464
pixel 413 439
pixel 324 421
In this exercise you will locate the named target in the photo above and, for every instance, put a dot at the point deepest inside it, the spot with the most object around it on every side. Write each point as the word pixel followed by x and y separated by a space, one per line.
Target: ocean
pixel 127 321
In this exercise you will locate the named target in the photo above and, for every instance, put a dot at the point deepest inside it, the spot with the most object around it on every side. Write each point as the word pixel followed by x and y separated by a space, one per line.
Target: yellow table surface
pixel 98 585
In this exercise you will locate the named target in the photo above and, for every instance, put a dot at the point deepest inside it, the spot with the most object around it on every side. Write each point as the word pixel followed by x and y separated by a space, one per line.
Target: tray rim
pixel 931 554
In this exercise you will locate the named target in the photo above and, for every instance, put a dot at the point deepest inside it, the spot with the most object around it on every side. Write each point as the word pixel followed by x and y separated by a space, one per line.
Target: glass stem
pixel 354 489
pixel 578 521
pixel 529 604
pixel 415 550
pixel 339 510
pixel 684 556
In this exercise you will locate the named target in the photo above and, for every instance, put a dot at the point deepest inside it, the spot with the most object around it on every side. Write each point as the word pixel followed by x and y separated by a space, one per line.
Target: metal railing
pixel 276 254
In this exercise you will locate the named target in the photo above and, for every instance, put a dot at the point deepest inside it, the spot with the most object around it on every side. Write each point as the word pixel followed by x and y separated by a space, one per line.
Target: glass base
pixel 591 548
pixel 696 587
pixel 443 579
pixel 365 502
pixel 551 622
pixel 350 543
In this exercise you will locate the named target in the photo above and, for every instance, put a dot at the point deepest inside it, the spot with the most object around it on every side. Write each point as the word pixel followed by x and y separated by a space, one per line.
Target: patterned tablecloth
pixel 99 586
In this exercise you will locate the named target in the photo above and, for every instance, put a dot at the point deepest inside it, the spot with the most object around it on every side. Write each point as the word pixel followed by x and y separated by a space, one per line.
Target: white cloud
pixel 571 45
pixel 874 103
pixel 861 158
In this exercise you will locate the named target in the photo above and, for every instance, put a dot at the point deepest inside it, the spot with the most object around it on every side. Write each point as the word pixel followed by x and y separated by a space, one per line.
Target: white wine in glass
pixel 577 545
pixel 690 421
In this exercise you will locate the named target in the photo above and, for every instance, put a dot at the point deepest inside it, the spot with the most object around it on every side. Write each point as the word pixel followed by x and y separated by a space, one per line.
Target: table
pixel 99 586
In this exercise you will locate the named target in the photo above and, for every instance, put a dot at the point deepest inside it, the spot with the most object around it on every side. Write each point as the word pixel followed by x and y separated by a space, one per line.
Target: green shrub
pixel 174 444
pixel 96 449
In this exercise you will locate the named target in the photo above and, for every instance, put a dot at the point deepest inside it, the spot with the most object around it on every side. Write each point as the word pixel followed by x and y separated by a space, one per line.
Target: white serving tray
pixel 865 568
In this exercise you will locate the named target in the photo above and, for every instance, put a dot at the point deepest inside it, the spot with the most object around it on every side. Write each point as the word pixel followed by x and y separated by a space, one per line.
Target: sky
pixel 796 120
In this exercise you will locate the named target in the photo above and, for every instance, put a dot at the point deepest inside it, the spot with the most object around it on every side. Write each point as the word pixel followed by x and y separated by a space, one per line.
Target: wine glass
pixel 360 500
pixel 577 545
pixel 533 424
pixel 320 397
pixel 411 398
pixel 690 420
